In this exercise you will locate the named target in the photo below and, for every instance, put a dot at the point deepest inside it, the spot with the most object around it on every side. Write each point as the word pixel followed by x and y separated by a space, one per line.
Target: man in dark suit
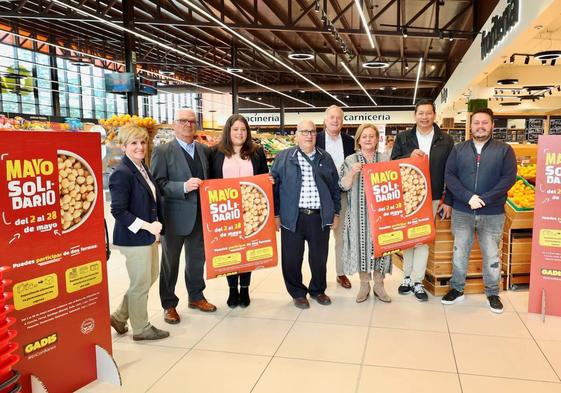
pixel 179 167
pixel 424 139
pixel 339 146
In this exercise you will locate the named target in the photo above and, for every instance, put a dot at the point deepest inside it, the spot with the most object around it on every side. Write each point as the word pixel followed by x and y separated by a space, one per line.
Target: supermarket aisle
pixel 346 347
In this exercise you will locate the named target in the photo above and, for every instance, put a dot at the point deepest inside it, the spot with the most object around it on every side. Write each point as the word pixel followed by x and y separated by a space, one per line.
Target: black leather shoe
pixel 322 299
pixel 301 302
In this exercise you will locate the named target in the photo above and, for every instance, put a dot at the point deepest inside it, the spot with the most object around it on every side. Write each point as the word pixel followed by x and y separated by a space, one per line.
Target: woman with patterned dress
pixel 358 249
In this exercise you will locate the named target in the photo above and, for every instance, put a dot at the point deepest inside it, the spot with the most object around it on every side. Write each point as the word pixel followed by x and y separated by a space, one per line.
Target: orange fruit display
pixel 522 195
pixel 527 171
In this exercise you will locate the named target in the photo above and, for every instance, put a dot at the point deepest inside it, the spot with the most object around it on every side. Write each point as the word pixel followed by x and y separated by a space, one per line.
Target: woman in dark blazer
pixel 136 205
pixel 236 155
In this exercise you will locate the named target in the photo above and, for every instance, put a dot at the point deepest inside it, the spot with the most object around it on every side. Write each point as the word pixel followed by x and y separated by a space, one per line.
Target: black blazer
pixel 131 197
pixel 216 161
pixel 348 143
pixel 442 145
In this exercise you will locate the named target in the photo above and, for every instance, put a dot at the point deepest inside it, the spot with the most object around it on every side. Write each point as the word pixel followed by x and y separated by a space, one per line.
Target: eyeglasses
pixel 186 121
pixel 308 132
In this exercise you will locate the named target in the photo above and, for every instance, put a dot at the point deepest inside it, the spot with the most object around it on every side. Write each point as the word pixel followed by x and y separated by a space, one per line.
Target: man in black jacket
pixel 339 146
pixel 479 173
pixel 424 139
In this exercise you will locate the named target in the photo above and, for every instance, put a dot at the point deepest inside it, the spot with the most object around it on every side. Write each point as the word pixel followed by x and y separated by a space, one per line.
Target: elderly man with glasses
pixel 307 204
pixel 179 167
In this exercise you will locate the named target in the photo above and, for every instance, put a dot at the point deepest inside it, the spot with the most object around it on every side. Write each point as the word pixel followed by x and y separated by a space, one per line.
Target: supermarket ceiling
pixel 199 40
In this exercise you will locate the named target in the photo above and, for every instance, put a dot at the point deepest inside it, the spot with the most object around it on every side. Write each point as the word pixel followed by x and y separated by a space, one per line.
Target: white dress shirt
pixel 334 146
pixel 425 141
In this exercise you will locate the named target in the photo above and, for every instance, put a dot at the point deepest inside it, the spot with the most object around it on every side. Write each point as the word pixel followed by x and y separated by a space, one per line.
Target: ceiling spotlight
pixel 544 62
pixel 394 88
pixel 548 55
pixel 440 34
pixel 166 72
pixel 346 96
pixel 302 91
pixel 507 81
pixel 300 56
pixel 450 37
pixel 382 88
pixel 259 98
pixel 512 59
pixel 432 67
pixel 406 65
pixel 235 70
pixel 527 60
pixel 553 62
pixel 375 64
pixel 316 8
pixel 404 32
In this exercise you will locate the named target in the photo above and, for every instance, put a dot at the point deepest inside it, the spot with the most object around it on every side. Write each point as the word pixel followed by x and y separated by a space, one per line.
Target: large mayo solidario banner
pixel 52 238
pixel 545 271
pixel 398 195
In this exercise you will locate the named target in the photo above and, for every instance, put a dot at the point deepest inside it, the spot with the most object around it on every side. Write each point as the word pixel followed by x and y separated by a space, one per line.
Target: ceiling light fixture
pixel 450 37
pixel 166 72
pixel 375 64
pixel 249 42
pixel 394 88
pixel 548 55
pixel 404 32
pixel 365 23
pixel 235 70
pixel 512 59
pixel 553 62
pixel 316 7
pixel 357 82
pixel 300 56
pixel 432 67
pixel 417 81
pixel 527 60
pixel 187 55
pixel 507 81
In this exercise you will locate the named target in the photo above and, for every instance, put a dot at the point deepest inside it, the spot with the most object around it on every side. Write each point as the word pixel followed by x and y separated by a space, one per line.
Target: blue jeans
pixel 489 230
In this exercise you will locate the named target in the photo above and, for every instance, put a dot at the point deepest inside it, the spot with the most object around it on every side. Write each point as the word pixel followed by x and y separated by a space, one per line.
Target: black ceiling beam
pixel 342 12
pixel 421 12
pixel 372 20
pixel 461 35
pixel 303 14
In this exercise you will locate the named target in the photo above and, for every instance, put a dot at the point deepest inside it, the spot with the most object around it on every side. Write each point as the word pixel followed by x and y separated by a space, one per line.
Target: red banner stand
pixel 545 271
pixel 51 201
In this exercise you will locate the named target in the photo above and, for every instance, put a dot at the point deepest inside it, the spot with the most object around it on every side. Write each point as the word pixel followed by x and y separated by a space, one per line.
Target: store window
pixel 44 85
pixel 99 93
pixel 9 100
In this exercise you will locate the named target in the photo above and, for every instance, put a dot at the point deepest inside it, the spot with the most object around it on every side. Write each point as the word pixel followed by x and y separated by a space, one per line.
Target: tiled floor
pixel 274 347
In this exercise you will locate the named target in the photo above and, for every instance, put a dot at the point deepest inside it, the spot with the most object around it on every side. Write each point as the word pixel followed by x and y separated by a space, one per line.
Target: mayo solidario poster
pixel 53 242
pixel 238 224
pixel 398 196
pixel 545 270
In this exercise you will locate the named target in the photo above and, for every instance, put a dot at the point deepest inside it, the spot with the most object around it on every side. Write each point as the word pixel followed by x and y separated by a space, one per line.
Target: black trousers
pixel 308 229
pixel 194 265
pixel 244 280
